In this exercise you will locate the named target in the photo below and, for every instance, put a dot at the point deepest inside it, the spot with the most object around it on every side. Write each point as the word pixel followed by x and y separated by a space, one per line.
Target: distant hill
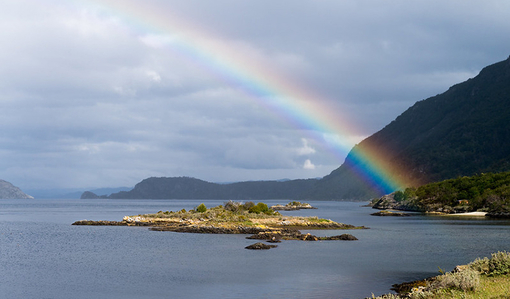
pixel 9 191
pixel 192 188
pixel 462 132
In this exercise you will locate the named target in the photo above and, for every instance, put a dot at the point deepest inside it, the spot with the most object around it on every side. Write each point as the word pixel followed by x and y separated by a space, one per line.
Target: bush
pixel 499 263
pixel 201 208
pixel 248 205
pixel 466 280
pixel 480 265
pixel 259 208
pixel 233 206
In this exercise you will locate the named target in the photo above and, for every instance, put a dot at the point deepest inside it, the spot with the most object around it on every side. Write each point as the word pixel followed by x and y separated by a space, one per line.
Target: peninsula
pixel 485 194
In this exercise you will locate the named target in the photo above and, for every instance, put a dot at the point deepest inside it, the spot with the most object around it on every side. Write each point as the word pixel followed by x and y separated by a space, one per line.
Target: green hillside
pixel 489 192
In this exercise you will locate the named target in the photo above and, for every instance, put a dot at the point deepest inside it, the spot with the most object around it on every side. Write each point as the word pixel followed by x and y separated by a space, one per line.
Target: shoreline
pixel 469 214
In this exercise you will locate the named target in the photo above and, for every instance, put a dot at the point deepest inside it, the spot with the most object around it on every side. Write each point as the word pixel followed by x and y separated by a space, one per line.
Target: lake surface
pixel 43 256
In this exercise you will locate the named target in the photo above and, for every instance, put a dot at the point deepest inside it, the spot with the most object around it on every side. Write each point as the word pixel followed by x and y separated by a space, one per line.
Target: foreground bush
pixel 482 278
pixel 466 280
pixel 498 264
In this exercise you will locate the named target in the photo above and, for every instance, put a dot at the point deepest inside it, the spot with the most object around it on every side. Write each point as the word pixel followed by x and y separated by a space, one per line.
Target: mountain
pixel 462 132
pixel 192 188
pixel 9 191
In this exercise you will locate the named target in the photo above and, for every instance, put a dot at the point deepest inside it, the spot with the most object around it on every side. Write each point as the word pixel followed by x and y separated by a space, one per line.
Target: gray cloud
pixel 90 97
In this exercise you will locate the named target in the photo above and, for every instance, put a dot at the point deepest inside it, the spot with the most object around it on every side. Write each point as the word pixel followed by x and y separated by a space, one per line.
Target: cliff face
pixel 9 191
pixel 462 132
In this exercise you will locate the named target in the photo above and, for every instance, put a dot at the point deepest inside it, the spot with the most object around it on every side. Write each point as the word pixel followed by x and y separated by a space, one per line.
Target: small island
pixel 258 220
pixel 292 206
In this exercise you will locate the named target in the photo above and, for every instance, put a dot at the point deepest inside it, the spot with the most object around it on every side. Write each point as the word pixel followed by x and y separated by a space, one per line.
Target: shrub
pixel 233 206
pixel 499 263
pixel 201 208
pixel 248 205
pixel 480 265
pixel 259 208
pixel 466 280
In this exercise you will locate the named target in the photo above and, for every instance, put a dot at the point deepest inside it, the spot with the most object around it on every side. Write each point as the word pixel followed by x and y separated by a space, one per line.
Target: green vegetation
pixel 234 216
pixel 250 207
pixel 484 192
pixel 483 278
pixel 260 208
pixel 201 208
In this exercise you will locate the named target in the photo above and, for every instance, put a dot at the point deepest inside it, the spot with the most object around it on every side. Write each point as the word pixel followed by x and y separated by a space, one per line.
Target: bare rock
pixel 260 246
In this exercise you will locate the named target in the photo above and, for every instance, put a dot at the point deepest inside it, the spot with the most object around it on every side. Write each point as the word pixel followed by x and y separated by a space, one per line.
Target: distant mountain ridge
pixel 9 191
pixel 461 132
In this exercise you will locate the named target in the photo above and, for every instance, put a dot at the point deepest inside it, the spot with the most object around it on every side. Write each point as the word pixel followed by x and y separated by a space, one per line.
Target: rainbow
pixel 290 101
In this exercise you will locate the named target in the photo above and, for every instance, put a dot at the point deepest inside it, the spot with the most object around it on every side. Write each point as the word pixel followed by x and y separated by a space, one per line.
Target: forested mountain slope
pixel 462 132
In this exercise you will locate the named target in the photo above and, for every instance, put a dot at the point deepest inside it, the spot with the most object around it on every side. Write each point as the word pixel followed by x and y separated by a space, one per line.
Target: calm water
pixel 43 256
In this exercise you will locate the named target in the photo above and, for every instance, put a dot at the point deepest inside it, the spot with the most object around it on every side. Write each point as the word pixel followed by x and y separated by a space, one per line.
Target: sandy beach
pixel 470 214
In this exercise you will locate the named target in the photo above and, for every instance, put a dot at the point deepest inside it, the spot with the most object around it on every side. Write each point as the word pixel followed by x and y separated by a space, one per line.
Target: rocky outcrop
pixel 388 213
pixel 9 191
pixel 343 237
pixel 260 246
pixel 292 206
pixel 505 215
pixel 297 235
pixel 388 202
pixel 100 223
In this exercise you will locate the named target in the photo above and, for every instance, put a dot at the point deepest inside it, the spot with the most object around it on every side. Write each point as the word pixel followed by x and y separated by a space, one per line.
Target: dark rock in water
pixel 274 241
pixel 218 230
pixel 343 237
pixel 260 246
pixel 276 235
pixel 309 237
pixel 100 223
pixel 504 215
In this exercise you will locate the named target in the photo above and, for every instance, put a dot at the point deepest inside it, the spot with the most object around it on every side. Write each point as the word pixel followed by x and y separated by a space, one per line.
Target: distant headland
pixel 9 191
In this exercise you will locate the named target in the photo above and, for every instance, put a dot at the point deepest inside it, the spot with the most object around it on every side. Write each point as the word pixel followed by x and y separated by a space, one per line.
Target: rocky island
pixel 292 206
pixel 258 220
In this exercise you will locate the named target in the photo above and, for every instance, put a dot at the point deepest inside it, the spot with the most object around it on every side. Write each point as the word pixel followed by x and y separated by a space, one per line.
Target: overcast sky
pixel 96 94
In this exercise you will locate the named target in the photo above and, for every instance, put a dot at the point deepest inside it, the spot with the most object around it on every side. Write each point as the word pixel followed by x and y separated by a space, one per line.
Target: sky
pixel 107 93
